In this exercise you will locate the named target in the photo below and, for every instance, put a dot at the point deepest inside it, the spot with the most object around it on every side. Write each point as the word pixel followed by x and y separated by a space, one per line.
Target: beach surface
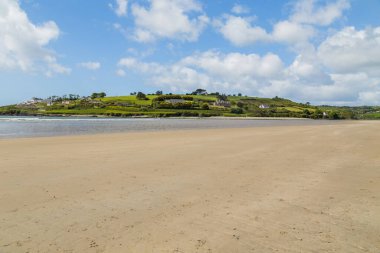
pixel 264 189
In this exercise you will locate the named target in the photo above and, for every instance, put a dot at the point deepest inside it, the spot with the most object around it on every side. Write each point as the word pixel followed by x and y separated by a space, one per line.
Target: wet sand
pixel 270 189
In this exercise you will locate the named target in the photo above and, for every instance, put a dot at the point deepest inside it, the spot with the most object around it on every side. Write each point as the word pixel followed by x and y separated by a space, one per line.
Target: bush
pixel 334 115
pixel 167 97
pixel 205 107
pixel 236 110
pixel 141 96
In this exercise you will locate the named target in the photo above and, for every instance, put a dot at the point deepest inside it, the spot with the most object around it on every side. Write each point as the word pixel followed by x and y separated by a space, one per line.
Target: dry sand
pixel 273 189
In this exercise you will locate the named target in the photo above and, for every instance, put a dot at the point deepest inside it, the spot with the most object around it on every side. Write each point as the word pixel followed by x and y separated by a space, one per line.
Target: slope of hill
pixel 179 105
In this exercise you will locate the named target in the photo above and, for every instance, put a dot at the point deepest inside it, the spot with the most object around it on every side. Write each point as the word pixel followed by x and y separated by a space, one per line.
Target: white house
pixel 263 106
pixel 222 103
pixel 175 100
pixel 32 101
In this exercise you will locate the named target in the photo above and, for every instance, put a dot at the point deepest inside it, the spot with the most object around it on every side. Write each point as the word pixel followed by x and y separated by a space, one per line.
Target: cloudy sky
pixel 323 52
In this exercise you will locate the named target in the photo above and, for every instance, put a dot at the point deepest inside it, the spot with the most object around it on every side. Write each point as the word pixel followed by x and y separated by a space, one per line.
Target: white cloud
pixel 233 66
pixel 240 32
pixel 298 29
pixel 351 50
pixel 239 9
pixel 173 19
pixel 211 69
pixel 54 67
pixel 90 65
pixel 307 12
pixel 121 7
pixel 307 70
pixel 133 63
pixel 127 62
pixel 23 44
pixel 344 69
pixel 370 98
pixel 305 79
pixel 290 32
pixel 120 72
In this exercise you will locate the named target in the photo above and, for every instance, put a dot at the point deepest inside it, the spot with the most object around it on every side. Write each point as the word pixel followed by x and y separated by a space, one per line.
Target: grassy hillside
pixel 188 105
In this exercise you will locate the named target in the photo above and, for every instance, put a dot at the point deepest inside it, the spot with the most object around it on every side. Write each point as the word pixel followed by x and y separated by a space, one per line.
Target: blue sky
pixel 324 52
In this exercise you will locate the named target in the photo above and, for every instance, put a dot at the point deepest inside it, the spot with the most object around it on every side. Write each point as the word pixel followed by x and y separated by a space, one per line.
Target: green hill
pixel 179 105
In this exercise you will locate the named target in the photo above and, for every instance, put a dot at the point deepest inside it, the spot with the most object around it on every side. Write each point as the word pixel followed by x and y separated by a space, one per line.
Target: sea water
pixel 14 127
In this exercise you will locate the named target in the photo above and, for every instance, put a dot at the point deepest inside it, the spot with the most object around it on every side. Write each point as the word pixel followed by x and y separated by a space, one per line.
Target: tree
pixel 334 115
pixel 306 113
pixel 141 96
pixel 98 95
pixel 239 94
pixel 73 97
pixel 159 92
pixel 199 92
pixel 205 106
pixel 318 114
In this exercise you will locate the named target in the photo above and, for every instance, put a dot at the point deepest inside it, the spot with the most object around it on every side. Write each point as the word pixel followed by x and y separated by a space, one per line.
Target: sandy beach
pixel 264 189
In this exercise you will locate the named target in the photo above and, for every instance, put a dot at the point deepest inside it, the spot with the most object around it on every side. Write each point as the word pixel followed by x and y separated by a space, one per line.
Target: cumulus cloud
pixel 307 70
pixel 307 78
pixel 239 9
pixel 297 29
pixel 240 32
pixel 120 72
pixel 370 98
pixel 23 44
pixel 342 69
pixel 291 32
pixel 235 65
pixel 351 50
pixel 90 65
pixel 210 69
pixel 308 12
pixel 173 19
pixel 121 7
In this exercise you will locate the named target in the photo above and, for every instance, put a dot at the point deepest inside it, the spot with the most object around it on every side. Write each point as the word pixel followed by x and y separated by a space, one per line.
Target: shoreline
pixel 32 127
pixel 147 117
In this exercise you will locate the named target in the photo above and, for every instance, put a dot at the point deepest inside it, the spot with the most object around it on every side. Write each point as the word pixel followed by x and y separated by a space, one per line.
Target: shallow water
pixel 14 127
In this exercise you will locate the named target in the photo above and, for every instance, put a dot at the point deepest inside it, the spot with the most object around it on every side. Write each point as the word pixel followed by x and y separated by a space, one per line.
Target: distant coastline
pixel 198 104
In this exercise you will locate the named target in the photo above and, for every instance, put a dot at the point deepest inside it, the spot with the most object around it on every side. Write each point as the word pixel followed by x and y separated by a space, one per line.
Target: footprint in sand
pixel 93 244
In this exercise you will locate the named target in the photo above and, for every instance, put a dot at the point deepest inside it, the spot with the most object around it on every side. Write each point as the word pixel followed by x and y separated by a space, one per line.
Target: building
pixel 222 103
pixel 48 102
pixel 263 106
pixel 175 100
pixel 32 101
